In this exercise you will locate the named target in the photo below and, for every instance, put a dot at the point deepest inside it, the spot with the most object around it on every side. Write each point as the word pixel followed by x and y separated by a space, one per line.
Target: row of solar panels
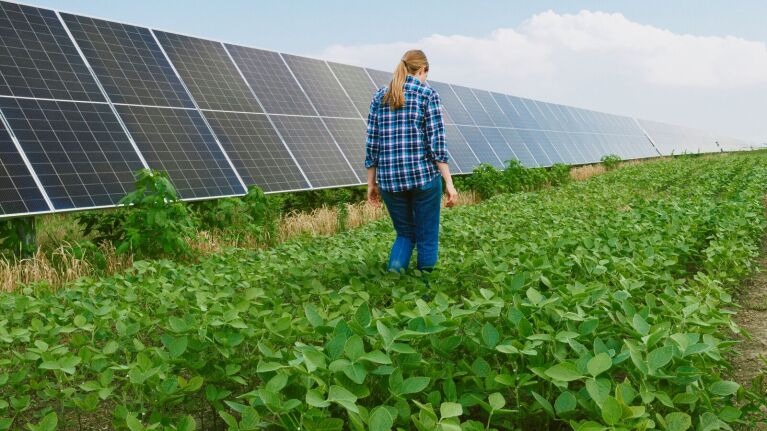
pixel 84 103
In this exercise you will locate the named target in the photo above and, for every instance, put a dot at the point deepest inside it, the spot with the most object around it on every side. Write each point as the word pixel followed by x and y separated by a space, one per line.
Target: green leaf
pixel 565 402
pixel 362 316
pixel 133 423
pixel 640 325
pixel 543 402
pixel 354 348
pixel 250 419
pixel 598 389
pixel 186 423
pixel 611 411
pixel 496 401
pixel 565 372
pixel 450 410
pixel 380 420
pixel 355 372
pixel 343 397
pixel 176 345
pixel 313 316
pixel 678 421
pixel 659 357
pixel 49 423
pixel 599 364
pixel 724 388
pixel 490 335
pixel 376 357
pixel 414 385
pixel 315 399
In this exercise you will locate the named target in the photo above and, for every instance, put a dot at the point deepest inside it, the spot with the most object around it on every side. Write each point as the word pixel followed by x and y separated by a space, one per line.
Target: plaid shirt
pixel 405 144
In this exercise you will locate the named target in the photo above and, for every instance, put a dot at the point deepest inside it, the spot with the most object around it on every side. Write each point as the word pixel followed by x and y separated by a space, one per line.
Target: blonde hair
pixel 411 63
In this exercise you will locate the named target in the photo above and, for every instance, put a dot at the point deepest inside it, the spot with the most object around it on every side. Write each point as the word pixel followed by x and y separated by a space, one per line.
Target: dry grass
pixel 62 266
pixel 581 173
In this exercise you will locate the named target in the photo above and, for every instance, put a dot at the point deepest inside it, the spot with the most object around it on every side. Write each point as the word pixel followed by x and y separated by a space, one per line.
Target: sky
pixel 699 63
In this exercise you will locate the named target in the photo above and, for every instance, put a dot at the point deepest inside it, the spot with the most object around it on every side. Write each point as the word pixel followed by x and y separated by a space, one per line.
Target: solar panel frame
pixel 314 148
pixel 55 71
pixel 453 109
pixel 357 84
pixel 20 191
pixel 472 106
pixel 209 73
pixel 79 151
pixel 521 150
pixel 180 142
pixel 492 108
pixel 130 66
pixel 256 150
pixel 350 134
pixel 460 151
pixel 480 146
pixel 498 143
pixel 264 71
pixel 321 87
pixel 379 77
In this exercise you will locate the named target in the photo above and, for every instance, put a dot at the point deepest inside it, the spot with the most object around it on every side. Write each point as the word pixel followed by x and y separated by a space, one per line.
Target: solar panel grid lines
pixel 271 121
pixel 379 77
pixel 455 113
pixel 181 143
pixel 209 73
pixel 322 121
pixel 480 146
pixel 316 151
pixel 76 149
pixel 492 108
pixel 521 150
pixel 37 58
pixel 20 189
pixel 321 86
pixel 357 84
pixel 265 73
pixel 350 135
pixel 498 143
pixel 460 151
pixel 127 62
pixel 472 106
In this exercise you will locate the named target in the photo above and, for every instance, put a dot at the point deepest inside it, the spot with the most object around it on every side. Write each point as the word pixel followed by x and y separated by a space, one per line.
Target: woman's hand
pixel 452 195
pixel 374 196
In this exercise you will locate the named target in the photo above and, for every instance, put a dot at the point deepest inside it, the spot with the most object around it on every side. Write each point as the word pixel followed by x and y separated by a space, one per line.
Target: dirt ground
pixel 752 317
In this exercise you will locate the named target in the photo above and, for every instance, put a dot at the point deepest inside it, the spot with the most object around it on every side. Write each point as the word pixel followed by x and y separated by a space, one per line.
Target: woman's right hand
pixel 452 195
pixel 374 196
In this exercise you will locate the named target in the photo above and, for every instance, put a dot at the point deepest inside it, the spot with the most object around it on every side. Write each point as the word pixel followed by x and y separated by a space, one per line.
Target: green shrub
pixel 17 236
pixel 485 180
pixel 559 174
pixel 611 161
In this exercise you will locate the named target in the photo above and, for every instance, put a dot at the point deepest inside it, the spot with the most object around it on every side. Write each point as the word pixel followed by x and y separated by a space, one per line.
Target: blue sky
pixel 303 26
pixel 701 63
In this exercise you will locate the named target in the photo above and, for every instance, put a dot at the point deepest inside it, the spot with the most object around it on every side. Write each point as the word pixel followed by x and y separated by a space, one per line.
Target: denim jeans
pixel 415 215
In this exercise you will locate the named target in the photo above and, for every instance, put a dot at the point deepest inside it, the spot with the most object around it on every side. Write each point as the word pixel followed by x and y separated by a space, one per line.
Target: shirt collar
pixel 410 79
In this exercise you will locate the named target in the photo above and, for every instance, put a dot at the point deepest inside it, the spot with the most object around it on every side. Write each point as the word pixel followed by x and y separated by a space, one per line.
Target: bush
pixel 17 236
pixel 611 161
pixel 152 221
pixel 485 180
pixel 559 174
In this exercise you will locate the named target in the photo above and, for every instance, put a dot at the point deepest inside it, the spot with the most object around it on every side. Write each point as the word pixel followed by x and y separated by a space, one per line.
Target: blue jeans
pixel 415 215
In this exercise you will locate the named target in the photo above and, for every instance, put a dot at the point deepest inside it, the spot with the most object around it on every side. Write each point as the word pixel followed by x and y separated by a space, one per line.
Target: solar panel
pixel 534 140
pixel 558 141
pixel 256 150
pixel 454 110
pixel 315 151
pixel 521 116
pixel 38 59
pixel 498 143
pixel 19 193
pixel 357 84
pixel 491 107
pixel 479 145
pixel 270 79
pixel 209 73
pixel 522 151
pixel 81 154
pixel 459 150
pixel 473 106
pixel 321 86
pixel 379 77
pixel 507 108
pixel 128 63
pixel 350 135
pixel 179 142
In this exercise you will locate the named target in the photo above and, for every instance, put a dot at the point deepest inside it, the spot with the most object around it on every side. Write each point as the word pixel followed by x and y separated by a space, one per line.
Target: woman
pixel 406 154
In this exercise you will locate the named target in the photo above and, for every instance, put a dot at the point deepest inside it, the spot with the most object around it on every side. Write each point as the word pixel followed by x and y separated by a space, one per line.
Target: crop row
pixel 599 305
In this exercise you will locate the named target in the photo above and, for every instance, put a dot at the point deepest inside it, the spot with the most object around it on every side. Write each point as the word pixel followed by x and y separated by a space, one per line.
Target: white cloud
pixel 601 61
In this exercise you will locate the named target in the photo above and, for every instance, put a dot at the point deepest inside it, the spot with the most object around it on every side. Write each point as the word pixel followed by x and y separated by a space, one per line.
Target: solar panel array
pixel 85 102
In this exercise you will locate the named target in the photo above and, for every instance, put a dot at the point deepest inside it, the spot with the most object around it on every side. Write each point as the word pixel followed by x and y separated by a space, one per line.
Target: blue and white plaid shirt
pixel 405 144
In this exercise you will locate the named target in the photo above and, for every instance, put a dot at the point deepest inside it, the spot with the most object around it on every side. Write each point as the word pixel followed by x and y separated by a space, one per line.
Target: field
pixel 604 304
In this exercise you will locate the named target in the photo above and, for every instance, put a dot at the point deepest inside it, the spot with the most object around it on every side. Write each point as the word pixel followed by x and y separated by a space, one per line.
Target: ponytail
pixel 411 63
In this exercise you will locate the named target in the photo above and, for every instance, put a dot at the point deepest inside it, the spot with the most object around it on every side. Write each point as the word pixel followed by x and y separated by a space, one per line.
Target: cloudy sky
pixel 700 63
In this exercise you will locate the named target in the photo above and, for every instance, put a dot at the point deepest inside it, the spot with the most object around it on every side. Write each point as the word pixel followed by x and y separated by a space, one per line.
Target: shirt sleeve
pixel 435 130
pixel 373 141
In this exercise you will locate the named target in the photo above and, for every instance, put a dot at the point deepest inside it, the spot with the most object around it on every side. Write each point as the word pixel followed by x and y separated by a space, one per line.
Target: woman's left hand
pixel 374 196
